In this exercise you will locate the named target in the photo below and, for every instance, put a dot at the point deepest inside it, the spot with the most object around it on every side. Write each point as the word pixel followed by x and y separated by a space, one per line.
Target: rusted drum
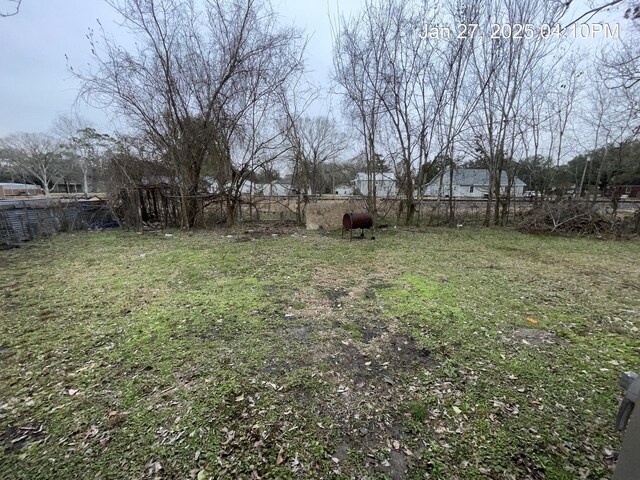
pixel 357 220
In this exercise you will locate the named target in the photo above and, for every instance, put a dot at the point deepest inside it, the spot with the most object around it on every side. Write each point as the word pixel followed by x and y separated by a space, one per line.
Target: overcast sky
pixel 35 85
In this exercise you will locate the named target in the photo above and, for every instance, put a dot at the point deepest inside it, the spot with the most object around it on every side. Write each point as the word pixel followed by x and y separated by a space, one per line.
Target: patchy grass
pixel 438 354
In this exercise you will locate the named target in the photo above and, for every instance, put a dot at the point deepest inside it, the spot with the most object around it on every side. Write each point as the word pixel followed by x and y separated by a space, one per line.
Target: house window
pixel 471 189
pixel 627 190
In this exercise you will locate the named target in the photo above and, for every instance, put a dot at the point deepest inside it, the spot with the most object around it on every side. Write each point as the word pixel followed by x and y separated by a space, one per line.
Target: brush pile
pixel 571 217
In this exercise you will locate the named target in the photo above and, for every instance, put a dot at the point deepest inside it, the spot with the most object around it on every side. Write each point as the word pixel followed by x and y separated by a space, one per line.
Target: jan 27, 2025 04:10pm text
pixel 497 31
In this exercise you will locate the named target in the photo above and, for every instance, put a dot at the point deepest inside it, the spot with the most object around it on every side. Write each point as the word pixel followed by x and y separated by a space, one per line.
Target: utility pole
pixel 584 172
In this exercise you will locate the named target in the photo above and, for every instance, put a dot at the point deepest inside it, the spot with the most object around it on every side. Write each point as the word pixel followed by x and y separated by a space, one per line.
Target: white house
pixel 385 184
pixel 470 182
pixel 344 190
pixel 211 185
pixel 273 189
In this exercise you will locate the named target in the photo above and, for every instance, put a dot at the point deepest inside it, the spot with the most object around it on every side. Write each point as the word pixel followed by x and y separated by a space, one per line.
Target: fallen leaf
pixel 72 391
pixel 280 458
pixel 532 320
pixel 202 474
pixel 231 434
pixel 396 444
pixel 456 410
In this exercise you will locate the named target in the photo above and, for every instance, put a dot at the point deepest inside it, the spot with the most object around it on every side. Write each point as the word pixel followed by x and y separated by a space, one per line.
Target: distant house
pixel 470 182
pixel 16 189
pixel 272 189
pixel 249 187
pixel 277 188
pixel 344 190
pixel 385 184
pixel 210 184
pixel 67 186
pixel 626 189
pixel 150 180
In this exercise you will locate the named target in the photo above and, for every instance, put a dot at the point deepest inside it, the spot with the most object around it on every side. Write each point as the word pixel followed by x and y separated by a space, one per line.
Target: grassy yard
pixel 438 354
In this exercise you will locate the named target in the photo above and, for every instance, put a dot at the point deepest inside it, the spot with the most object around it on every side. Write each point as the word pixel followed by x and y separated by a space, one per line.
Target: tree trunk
pixel 192 206
pixel 85 183
pixel 189 195
pixel 231 211
pixel 299 208
pixel 189 208
pixel 497 181
pixel 452 211
pixel 487 213
pixel 411 204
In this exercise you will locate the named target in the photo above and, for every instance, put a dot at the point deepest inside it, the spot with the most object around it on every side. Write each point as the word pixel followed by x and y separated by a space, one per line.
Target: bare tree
pixel 410 85
pixel 88 147
pixel 621 59
pixel 609 124
pixel 38 155
pixel 16 8
pixel 320 141
pixel 623 62
pixel 197 82
pixel 508 61
pixel 261 144
pixel 404 59
pixel 456 100
pixel 621 65
pixel 586 13
pixel 357 60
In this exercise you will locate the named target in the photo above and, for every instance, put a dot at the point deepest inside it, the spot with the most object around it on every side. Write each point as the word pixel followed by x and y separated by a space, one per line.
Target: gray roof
pixel 476 177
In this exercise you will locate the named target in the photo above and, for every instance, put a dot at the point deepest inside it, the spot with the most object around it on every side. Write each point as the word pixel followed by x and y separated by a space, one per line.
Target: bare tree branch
pixel 197 85
pixel 15 12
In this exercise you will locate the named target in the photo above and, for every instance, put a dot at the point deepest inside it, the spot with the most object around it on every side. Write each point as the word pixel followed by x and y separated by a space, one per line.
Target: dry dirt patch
pixel 15 438
pixel 537 337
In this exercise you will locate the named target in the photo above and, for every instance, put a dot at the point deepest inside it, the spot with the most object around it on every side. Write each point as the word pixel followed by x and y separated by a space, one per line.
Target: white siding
pixel 385 185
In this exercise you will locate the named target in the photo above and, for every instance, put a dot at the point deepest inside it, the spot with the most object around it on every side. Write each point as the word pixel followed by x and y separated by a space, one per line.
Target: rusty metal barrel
pixel 357 220
pixel 351 221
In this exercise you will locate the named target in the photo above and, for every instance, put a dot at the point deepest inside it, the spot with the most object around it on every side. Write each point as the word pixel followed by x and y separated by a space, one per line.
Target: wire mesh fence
pixel 24 220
